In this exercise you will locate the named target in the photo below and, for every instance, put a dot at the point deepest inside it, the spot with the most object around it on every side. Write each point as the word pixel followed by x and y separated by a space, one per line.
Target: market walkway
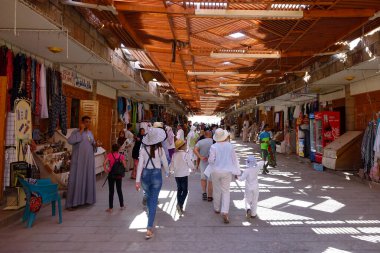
pixel 300 210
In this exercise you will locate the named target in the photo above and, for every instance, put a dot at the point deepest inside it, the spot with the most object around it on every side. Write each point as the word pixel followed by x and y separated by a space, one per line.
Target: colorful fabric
pixel 264 138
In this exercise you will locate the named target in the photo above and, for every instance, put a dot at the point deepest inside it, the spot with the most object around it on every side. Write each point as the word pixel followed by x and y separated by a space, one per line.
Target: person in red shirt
pixel 110 161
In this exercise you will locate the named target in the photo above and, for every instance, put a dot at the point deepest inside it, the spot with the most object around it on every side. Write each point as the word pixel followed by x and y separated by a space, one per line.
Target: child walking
pixel 114 159
pixel 250 175
pixel 180 166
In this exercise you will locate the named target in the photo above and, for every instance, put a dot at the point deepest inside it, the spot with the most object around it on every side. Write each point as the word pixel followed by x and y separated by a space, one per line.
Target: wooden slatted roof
pixel 159 27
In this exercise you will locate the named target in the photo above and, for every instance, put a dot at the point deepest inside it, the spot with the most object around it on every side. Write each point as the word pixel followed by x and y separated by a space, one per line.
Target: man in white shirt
pixel 202 151
pixel 180 133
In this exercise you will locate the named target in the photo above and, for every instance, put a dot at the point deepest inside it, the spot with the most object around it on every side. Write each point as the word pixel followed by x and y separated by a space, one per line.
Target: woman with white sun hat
pixel 149 171
pixel 223 163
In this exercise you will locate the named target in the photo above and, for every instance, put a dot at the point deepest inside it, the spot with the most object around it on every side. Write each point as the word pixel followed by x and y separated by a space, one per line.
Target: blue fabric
pixel 120 106
pixel 151 182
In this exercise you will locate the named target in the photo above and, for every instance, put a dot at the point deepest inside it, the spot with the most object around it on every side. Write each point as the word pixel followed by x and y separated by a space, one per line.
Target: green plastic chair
pixel 49 194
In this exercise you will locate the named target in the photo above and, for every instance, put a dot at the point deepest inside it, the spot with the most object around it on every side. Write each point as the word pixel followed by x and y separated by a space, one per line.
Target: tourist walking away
pixel 180 133
pixel 223 164
pixel 180 166
pixel 264 139
pixel 81 185
pixel 192 139
pixel 170 141
pixel 245 129
pixel 250 176
pixel 129 147
pixel 202 151
pixel 136 151
pixel 114 165
pixel 149 175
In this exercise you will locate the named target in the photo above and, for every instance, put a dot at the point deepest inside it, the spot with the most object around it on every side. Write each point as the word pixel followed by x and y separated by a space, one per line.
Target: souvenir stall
pixel 36 106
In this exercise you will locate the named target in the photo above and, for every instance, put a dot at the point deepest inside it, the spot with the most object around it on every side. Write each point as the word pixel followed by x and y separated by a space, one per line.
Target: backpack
pixel 117 169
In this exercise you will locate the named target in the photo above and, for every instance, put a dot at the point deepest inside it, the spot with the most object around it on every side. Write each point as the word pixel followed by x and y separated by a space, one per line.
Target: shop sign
pixel 71 78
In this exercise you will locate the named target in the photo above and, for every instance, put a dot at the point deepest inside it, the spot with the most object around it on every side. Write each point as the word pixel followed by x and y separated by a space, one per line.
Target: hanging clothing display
pixel 134 116
pixel 367 150
pixel 43 97
pixel 297 112
pixel 57 109
pixel 10 77
pixel 376 146
pixel 127 116
pixel 18 79
pixel 140 112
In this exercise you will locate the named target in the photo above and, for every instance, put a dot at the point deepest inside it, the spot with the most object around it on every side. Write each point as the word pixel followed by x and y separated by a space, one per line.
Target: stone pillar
pixel 350 109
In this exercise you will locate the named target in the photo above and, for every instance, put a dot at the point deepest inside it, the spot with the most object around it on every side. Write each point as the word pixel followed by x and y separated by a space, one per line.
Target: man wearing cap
pixel 202 151
pixel 223 163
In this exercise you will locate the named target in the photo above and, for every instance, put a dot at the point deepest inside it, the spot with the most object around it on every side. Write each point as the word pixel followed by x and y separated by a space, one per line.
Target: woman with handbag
pixel 149 172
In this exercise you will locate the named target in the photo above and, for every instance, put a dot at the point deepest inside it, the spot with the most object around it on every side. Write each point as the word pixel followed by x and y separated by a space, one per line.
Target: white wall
pixel 106 91
pixel 367 85
pixel 332 96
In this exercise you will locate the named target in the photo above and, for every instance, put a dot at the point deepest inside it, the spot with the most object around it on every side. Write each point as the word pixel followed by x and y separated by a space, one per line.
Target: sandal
pixel 225 219
pixel 210 199
pixel 204 196
pixel 149 234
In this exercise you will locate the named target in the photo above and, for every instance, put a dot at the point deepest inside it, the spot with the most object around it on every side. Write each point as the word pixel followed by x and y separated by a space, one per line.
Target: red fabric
pixel 35 203
pixel 112 161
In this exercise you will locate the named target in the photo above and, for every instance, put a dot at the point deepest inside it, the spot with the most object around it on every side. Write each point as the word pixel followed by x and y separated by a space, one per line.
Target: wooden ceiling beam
pixel 321 3
pixel 339 13
pixel 308 14
pixel 332 42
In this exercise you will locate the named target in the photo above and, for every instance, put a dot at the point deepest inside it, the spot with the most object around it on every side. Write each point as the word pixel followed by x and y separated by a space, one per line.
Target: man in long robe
pixel 81 186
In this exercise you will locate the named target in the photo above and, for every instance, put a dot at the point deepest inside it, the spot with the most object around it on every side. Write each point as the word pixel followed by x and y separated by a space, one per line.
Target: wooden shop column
pixel 3 106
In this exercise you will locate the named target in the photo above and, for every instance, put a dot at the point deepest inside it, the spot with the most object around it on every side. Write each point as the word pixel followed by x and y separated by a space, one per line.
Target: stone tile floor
pixel 300 210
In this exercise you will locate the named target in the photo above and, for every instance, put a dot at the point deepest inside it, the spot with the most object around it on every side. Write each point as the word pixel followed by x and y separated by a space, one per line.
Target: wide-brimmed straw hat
pixel 179 143
pixel 154 136
pixel 220 135
pixel 158 125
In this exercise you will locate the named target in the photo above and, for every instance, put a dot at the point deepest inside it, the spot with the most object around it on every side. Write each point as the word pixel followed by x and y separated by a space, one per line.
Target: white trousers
pixel 221 190
pixel 251 197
